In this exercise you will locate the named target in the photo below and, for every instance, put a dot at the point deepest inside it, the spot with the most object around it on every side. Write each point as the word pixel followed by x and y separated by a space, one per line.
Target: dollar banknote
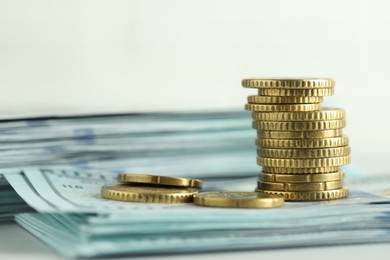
pixel 76 222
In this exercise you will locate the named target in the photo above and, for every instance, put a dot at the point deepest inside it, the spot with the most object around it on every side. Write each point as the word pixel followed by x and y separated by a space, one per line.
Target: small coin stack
pixel 300 146
pixel 152 189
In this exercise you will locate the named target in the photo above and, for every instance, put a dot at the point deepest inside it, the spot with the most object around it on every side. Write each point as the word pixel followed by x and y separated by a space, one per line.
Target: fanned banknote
pixel 77 222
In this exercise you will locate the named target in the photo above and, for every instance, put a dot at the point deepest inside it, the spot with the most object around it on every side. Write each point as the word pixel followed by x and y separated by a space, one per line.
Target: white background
pixel 102 56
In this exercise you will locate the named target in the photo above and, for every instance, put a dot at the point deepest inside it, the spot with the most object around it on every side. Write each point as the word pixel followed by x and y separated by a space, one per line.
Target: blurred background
pixel 61 57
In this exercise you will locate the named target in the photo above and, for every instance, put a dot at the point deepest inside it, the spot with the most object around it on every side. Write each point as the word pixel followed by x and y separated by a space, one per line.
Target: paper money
pixel 70 204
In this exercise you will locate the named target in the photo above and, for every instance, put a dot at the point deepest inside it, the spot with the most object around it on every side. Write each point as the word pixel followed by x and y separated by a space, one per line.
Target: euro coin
pixel 302 178
pixel 284 107
pixel 303 143
pixel 286 170
pixel 310 195
pixel 323 114
pixel 314 186
pixel 299 125
pixel 238 200
pixel 133 178
pixel 299 134
pixel 122 192
pixel 283 100
pixel 304 153
pixel 317 92
pixel 288 83
pixel 304 163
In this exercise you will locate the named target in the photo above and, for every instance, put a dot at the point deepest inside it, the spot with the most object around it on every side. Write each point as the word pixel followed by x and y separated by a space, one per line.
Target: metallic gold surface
pixel 238 200
pixel 314 186
pixel 310 195
pixel 304 153
pixel 283 100
pixel 284 107
pixel 289 83
pixel 299 125
pixel 146 194
pixel 323 114
pixel 303 143
pixel 286 170
pixel 159 180
pixel 302 178
pixel 317 92
pixel 299 134
pixel 304 163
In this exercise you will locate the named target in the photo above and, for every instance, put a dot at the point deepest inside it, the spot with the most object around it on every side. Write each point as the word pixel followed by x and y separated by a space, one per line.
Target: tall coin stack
pixel 300 146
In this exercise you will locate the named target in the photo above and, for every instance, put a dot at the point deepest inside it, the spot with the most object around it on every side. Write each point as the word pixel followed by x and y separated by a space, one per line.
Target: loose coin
pixel 303 143
pixel 238 200
pixel 323 114
pixel 289 83
pixel 283 100
pixel 299 134
pixel 304 153
pixel 310 195
pixel 286 170
pixel 147 194
pixel 314 186
pixel 298 125
pixel 159 180
pixel 304 163
pixel 284 107
pixel 302 178
pixel 317 92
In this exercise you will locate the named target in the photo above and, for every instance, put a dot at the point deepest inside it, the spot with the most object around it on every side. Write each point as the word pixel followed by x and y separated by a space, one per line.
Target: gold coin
pixel 299 134
pixel 323 114
pixel 148 194
pixel 289 83
pixel 238 200
pixel 304 163
pixel 315 186
pixel 302 143
pixel 159 180
pixel 304 153
pixel 283 100
pixel 317 92
pixel 285 170
pixel 302 178
pixel 310 195
pixel 298 125
pixel 287 107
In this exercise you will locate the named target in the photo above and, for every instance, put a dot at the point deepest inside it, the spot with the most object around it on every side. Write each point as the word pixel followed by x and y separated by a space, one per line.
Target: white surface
pixel 16 243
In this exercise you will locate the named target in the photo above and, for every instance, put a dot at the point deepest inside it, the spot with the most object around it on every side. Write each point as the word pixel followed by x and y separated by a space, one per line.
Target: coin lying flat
pixel 314 186
pixel 146 194
pixel 303 143
pixel 302 178
pixel 317 92
pixel 238 200
pixel 287 170
pixel 299 125
pixel 288 83
pixel 323 114
pixel 299 134
pixel 304 163
pixel 304 153
pixel 283 107
pixel 283 100
pixel 159 180
pixel 310 195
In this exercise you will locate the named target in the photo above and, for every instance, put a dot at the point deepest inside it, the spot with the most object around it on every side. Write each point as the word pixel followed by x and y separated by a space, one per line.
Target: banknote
pixel 75 221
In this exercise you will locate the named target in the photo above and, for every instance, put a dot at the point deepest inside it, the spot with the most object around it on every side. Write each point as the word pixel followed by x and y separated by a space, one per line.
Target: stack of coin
pixel 300 146
pixel 152 189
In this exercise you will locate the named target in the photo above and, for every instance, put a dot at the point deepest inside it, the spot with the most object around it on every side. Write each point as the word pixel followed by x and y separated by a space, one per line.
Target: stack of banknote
pixel 53 169
pixel 202 145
